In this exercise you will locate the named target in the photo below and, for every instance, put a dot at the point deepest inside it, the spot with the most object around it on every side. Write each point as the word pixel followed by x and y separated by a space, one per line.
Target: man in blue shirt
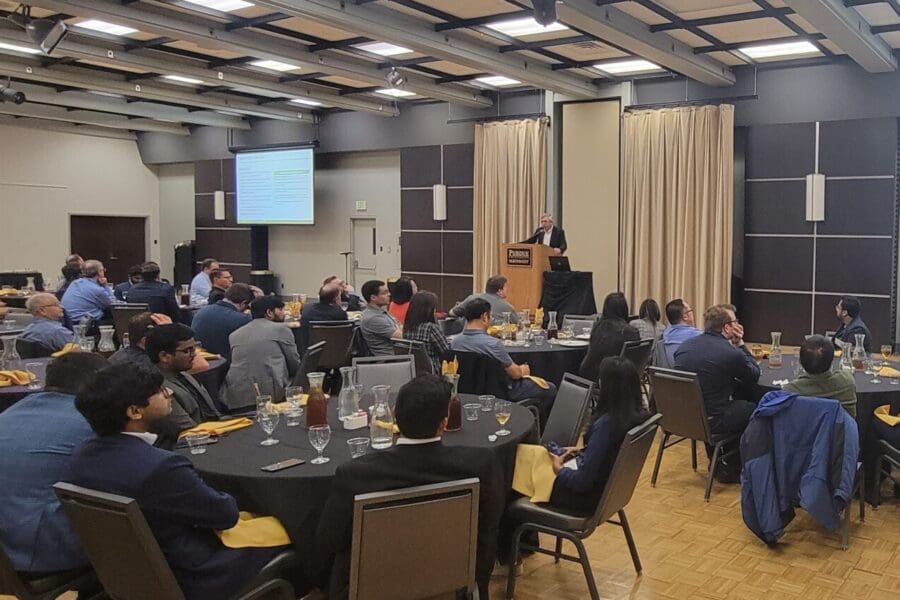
pixel 681 327
pixel 38 436
pixel 214 323
pixel 88 296
pixel 201 285
pixel 46 329
pixel 159 296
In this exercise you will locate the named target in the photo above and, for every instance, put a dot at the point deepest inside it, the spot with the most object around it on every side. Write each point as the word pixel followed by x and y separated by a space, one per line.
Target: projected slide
pixel 275 187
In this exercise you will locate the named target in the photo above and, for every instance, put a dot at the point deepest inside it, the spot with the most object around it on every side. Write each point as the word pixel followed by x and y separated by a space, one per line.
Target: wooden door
pixel 117 242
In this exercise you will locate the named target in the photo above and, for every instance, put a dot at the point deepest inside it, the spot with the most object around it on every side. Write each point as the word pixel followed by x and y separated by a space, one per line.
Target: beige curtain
pixel 510 188
pixel 677 205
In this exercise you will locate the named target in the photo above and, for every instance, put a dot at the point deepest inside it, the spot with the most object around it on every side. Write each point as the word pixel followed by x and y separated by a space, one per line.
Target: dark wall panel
pixel 458 253
pixel 876 312
pixel 764 312
pixel 455 290
pixel 459 165
pixel 861 266
pixel 207 176
pixel 858 148
pixel 420 167
pixel 420 252
pixel 459 209
pixel 776 207
pixel 781 150
pixel 858 207
pixel 417 210
pixel 226 245
pixel 778 263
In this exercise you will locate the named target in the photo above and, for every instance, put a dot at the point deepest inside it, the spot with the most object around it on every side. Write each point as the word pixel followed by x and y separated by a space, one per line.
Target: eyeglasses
pixel 166 392
pixel 191 350
pixel 731 321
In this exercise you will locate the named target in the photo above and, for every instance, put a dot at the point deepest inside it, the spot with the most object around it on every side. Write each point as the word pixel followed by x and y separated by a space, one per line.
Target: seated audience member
pixel 138 327
pixel 201 284
pixel 418 458
pixel 262 352
pixel 328 308
pixel 495 293
pixel 720 359
pixel 159 296
pixel 848 311
pixel 818 380
pixel 46 328
pixel 71 271
pixel 88 296
pixel 38 435
pixel 215 322
pixel 608 335
pixel 648 324
pixel 348 294
pixel 123 405
pixel 420 326
pixel 376 324
pixel 474 338
pixel 221 280
pixel 171 348
pixel 3 310
pixel 681 327
pixel 134 278
pixel 404 289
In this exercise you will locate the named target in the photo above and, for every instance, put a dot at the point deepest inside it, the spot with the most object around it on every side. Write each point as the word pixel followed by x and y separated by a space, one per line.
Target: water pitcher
pixel 775 352
pixel 859 352
pixel 10 359
pixel 348 403
pixel 316 404
pixel 454 416
pixel 106 346
pixel 381 426
pixel 552 327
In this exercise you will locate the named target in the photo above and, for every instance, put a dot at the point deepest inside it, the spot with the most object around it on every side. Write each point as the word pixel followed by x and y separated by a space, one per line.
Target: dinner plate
pixel 573 343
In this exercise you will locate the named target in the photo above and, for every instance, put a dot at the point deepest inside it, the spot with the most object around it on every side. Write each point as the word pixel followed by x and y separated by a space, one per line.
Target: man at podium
pixel 548 235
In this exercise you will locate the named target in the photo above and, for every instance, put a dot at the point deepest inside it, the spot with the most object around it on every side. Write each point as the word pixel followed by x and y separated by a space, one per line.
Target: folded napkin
pixel 540 382
pixel 533 476
pixel 254 531
pixel 9 292
pixel 10 378
pixel 889 372
pixel 207 354
pixel 219 427
pixel 450 367
pixel 539 317
pixel 384 425
pixel 883 413
pixel 70 347
pixel 284 406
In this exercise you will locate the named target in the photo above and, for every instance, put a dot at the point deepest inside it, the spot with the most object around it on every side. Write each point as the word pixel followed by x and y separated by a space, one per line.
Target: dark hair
pixel 328 293
pixel 675 311
pixel 105 399
pixel 239 293
pixel 716 317
pixel 620 392
pixel 475 308
pixel 70 372
pixel 134 270
pixel 421 310
pixel 261 305
pixel 403 291
pixel 138 326
pixel 816 354
pixel 165 338
pixel 207 263
pixel 495 284
pixel 852 305
pixel 371 288
pixel 329 279
pixel 71 272
pixel 615 306
pixel 150 271
pixel 649 310
pixel 421 406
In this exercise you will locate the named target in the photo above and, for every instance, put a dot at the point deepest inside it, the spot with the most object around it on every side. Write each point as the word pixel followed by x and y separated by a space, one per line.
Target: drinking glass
pixel 886 351
pixel 34 368
pixel 539 339
pixel 358 446
pixel 263 402
pixel 568 332
pixel 875 366
pixel 268 419
pixel 487 402
pixel 197 442
pixel 292 395
pixel 319 436
pixel 586 332
pixel 502 414
pixel 472 411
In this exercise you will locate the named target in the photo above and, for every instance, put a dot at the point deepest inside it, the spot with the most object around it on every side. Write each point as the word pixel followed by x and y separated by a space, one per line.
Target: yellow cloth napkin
pixel 254 531
pixel 219 427
pixel 207 354
pixel 540 382
pixel 538 316
pixel 450 367
pixel 392 426
pixel 70 347
pixel 533 476
pixel 884 414
pixel 889 372
pixel 284 406
pixel 9 292
pixel 10 378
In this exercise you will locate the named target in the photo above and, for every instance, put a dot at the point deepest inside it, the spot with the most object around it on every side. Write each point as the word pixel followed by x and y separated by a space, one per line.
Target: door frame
pixel 353 219
pixel 148 230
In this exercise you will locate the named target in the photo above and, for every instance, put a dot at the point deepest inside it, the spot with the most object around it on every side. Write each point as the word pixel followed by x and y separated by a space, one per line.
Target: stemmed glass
pixel 876 367
pixel 886 351
pixel 268 420
pixel 502 413
pixel 319 436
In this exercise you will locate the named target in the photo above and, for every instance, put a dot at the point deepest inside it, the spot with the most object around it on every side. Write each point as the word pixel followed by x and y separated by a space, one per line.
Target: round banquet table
pixel 297 495
pixel 15 300
pixel 550 361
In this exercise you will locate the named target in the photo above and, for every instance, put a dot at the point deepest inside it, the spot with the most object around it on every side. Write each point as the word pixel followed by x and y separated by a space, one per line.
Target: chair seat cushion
pixel 525 511
pixel 41 583
pixel 888 450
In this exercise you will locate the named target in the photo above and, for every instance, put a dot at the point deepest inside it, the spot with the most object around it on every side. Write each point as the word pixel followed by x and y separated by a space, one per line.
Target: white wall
pixel 303 255
pixel 45 176
pixel 176 212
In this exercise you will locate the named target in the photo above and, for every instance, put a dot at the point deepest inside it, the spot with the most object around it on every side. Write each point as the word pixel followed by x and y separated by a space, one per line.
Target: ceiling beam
pixel 382 23
pixel 86 117
pixel 847 29
pixel 59 126
pixel 212 34
pixel 720 19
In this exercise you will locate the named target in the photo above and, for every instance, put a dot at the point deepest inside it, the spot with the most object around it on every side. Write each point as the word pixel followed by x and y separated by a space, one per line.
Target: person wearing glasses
pixel 720 359
pixel 681 328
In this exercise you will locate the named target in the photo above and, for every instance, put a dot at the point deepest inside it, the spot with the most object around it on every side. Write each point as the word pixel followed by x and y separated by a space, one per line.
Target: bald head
pixel 330 293
pixel 45 305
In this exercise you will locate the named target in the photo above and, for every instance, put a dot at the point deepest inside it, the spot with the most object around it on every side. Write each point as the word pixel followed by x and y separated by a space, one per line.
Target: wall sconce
pixel 219 205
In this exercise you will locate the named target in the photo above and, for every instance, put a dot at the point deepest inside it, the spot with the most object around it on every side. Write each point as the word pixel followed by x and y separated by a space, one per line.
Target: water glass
pixel 34 369
pixel 263 402
pixel 293 417
pixel 358 446
pixel 292 395
pixel 539 338
pixel 487 402
pixel 586 331
pixel 471 411
pixel 319 436
pixel 197 442
pixel 875 366
pixel 268 420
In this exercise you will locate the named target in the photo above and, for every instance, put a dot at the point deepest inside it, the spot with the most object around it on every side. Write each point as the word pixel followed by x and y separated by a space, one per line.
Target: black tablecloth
pixel 549 361
pixel 568 293
pixel 19 279
pixel 17 301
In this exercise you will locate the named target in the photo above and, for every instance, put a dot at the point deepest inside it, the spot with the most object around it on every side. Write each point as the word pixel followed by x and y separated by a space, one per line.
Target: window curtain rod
pixel 535 115
pixel 697 102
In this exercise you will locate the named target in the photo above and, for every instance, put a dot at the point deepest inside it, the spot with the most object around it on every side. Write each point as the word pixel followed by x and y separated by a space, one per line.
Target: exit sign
pixel 360 205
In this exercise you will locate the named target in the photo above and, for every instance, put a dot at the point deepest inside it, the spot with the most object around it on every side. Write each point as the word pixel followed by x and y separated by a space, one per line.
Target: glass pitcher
pixel 454 416
pixel 846 355
pixel 10 359
pixel 347 401
pixel 775 357
pixel 859 352
pixel 29 285
pixel 316 404
pixel 106 346
pixel 381 425
pixel 552 327
pixel 504 323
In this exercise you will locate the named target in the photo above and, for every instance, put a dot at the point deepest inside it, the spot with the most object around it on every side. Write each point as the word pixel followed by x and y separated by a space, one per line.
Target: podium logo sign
pixel 520 257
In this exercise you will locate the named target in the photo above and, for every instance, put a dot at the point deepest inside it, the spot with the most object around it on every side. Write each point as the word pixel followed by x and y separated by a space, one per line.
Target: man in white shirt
pixel 548 235
pixel 201 285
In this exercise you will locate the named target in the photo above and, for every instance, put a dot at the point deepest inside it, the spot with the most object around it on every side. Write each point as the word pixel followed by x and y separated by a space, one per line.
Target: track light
pixel 544 11
pixel 46 33
pixel 8 94
pixel 395 78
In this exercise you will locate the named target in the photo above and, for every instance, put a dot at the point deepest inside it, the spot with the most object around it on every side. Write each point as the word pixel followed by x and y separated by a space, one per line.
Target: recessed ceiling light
pixel 107 94
pixel 383 48
pixel 498 80
pixel 222 5
pixel 14 47
pixel 773 50
pixel 104 27
pixel 394 92
pixel 183 79
pixel 628 67
pixel 306 102
pixel 274 65
pixel 523 27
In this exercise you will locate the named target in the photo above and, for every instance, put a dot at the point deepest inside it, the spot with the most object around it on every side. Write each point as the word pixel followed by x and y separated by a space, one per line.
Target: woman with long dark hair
pixel 420 326
pixel 608 335
pixel 649 322
pixel 401 293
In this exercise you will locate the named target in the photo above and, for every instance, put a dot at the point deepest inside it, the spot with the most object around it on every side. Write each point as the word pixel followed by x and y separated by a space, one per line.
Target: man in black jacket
pixel 418 458
pixel 328 308
pixel 549 235
pixel 159 296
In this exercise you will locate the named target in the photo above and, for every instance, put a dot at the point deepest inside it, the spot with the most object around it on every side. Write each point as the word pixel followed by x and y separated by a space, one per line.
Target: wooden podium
pixel 524 265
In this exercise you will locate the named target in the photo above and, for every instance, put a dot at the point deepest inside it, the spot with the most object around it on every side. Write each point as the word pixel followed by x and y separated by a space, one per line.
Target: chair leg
pixel 586 567
pixel 513 560
pixel 845 528
pixel 558 550
pixel 879 465
pixel 712 469
pixel 631 545
pixel 862 492
pixel 694 454
pixel 662 446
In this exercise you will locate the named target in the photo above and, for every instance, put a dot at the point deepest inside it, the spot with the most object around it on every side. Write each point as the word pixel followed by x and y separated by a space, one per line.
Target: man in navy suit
pixel 548 235
pixel 120 404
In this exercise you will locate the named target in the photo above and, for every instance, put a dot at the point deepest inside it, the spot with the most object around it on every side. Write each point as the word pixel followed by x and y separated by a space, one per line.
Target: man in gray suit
pixel 264 353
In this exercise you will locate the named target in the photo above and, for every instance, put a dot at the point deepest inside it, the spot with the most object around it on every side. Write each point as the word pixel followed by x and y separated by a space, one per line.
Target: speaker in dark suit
pixel 557 235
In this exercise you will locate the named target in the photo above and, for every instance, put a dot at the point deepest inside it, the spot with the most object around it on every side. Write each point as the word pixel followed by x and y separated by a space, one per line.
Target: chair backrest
pixel 415 349
pixel 338 335
pixel 569 411
pixel 415 543
pixel 394 371
pixel 659 357
pixel 626 470
pixel 579 322
pixel 122 315
pixel 308 364
pixel 638 352
pixel 481 374
pixel 19 319
pixel 680 401
pixel 32 349
pixel 452 325
pixel 119 544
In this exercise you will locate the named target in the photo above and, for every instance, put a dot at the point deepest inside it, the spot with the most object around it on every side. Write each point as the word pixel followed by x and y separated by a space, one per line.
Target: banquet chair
pixel 570 409
pixel 337 335
pixel 122 315
pixel 415 349
pixel 452 325
pixel 638 352
pixel 575 527
pixel 45 587
pixel 395 529
pixel 32 349
pixel 308 364
pixel 579 322
pixel 127 558
pixel 395 371
pixel 890 455
pixel 679 400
